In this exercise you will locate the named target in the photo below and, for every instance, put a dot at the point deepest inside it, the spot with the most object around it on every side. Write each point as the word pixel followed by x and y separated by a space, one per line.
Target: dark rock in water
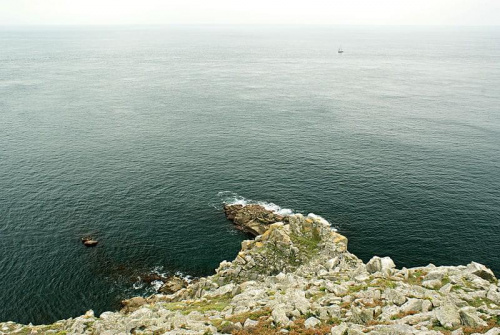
pixel 151 277
pixel 253 219
pixel 173 285
pixel 89 242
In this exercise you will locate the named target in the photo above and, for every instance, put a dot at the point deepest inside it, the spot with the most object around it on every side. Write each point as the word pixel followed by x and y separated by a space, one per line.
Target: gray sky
pixel 360 12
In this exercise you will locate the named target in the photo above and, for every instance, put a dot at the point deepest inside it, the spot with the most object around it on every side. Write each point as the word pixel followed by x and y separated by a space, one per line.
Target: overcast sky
pixel 359 12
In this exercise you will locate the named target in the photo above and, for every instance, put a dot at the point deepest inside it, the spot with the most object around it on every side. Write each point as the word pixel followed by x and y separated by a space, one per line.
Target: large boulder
pixel 481 271
pixel 377 264
pixel 448 315
pixel 470 318
pixel 279 316
pixel 132 304
pixel 173 285
pixel 312 322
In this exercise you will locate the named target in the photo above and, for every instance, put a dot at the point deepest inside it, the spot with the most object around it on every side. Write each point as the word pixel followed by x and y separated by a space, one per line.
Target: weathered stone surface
pixel 173 285
pixel 249 323
pixel 494 331
pixel 481 271
pixel 415 305
pixel 132 304
pixel 361 315
pixel 279 315
pixel 448 315
pixel 340 329
pixel 312 322
pixel 394 297
pixel 377 264
pixel 252 219
pixel 469 317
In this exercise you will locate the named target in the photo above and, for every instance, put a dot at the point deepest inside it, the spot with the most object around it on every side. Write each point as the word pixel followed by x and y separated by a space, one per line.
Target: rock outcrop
pixel 253 219
pixel 297 277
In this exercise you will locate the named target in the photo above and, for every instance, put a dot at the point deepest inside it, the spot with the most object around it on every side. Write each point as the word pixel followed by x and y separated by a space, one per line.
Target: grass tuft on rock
pixel 215 304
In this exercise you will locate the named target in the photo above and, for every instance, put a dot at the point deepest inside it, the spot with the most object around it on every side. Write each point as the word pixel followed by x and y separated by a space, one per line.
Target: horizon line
pixel 241 24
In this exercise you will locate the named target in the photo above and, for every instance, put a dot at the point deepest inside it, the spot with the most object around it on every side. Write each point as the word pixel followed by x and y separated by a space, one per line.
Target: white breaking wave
pixel 232 198
pixel 156 285
pixel 321 219
pixel 184 276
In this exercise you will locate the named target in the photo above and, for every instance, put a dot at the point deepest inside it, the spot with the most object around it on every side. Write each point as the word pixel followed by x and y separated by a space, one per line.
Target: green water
pixel 129 134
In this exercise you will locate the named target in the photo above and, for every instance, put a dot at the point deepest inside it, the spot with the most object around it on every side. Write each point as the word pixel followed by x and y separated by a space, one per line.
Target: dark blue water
pixel 129 134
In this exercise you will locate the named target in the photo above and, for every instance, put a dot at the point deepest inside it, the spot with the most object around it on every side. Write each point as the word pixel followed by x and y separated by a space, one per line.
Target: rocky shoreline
pixel 297 277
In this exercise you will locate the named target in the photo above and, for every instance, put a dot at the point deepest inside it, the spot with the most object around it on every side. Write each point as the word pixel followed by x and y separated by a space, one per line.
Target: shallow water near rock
pixel 129 135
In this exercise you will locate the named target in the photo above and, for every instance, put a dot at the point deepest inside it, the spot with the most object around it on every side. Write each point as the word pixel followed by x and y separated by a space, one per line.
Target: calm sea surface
pixel 129 134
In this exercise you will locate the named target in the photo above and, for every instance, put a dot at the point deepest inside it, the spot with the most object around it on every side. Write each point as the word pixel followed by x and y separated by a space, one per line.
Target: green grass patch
pixel 307 246
pixel 385 283
pixel 252 315
pixel 478 302
pixel 416 277
pixel 357 288
pixel 215 304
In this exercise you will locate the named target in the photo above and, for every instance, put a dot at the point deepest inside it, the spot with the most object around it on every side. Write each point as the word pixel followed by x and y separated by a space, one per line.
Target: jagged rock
pixel 446 289
pixel 377 264
pixel 132 304
pixel 279 315
pixel 448 315
pixel 493 294
pixel 469 317
pixel 353 330
pixel 173 285
pixel 416 305
pixel 229 327
pixel 331 263
pixel 394 297
pixel 481 271
pixel 339 290
pixel 395 330
pixel 436 274
pixel 312 322
pixel 340 329
pixel 249 323
pixel 433 284
pixel 361 316
pixel 253 219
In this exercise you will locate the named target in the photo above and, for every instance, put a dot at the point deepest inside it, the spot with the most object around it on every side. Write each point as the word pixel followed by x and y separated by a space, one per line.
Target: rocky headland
pixel 297 277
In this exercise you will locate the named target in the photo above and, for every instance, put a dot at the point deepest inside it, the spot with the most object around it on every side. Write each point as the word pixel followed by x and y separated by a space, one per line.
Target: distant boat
pixel 340 50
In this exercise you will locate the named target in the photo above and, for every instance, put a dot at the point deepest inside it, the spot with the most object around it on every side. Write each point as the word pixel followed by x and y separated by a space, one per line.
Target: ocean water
pixel 131 134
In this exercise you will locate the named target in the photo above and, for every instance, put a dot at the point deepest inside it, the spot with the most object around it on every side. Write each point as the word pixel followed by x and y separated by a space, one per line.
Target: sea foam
pixel 232 198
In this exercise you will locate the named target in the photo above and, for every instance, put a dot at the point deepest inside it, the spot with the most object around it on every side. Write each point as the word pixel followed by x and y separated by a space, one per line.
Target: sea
pixel 136 136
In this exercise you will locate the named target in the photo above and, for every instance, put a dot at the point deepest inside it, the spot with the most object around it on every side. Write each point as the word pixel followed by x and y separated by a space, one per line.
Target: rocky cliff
pixel 297 277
